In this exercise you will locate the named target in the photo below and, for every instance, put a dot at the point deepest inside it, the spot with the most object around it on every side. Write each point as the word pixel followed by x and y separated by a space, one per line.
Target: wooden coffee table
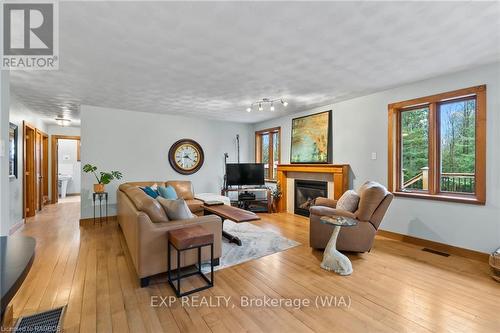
pixel 234 214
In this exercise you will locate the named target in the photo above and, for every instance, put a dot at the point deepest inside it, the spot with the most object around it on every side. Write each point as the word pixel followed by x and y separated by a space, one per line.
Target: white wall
pixel 360 128
pixel 19 113
pixel 69 165
pixel 137 144
pixel 60 130
pixel 5 222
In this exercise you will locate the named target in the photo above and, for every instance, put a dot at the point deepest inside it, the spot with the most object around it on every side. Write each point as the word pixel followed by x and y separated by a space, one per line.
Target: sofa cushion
pixel 183 188
pixel 348 201
pixel 176 209
pixel 167 192
pixel 195 206
pixel 146 204
pixel 371 195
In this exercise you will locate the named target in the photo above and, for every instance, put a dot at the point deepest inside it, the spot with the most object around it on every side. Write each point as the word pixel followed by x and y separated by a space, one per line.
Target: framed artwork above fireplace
pixel 312 139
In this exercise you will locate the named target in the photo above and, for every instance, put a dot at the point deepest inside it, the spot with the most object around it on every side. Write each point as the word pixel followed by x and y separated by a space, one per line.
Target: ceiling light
pixel 63 121
pixel 266 101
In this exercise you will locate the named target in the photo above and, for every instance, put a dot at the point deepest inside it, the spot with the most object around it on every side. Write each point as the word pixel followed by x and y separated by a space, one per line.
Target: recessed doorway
pixel 65 175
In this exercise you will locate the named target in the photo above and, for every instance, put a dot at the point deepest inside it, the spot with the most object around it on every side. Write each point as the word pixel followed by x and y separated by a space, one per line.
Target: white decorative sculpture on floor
pixel 333 260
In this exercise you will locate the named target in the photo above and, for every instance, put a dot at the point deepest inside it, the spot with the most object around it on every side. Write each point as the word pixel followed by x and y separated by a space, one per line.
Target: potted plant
pixel 103 178
pixel 276 195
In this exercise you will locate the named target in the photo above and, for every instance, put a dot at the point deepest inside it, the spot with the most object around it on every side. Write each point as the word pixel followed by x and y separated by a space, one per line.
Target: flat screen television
pixel 245 174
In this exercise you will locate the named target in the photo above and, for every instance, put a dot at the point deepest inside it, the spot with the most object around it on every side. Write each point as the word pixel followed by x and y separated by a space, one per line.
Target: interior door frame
pixel 41 163
pixel 53 169
pixel 29 199
pixel 45 169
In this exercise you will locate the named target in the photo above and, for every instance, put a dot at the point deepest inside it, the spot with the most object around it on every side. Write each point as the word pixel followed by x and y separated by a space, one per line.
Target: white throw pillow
pixel 348 201
pixel 176 209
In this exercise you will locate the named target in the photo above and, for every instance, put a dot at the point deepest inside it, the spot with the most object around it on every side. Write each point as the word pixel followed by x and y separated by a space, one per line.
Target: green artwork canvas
pixel 311 138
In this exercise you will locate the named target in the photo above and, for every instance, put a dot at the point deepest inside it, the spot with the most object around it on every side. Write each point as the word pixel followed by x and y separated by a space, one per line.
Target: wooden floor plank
pixel 394 288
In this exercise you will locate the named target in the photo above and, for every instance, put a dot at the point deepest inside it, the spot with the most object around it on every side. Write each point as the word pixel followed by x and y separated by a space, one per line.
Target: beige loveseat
pixel 145 226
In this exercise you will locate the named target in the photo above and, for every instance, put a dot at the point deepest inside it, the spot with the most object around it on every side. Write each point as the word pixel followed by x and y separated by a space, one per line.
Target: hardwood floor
pixel 395 288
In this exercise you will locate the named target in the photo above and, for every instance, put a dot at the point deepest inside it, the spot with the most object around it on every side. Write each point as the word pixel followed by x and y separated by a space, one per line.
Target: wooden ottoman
pixel 188 238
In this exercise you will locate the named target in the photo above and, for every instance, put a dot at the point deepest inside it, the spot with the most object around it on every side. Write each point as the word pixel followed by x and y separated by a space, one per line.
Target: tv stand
pixel 250 202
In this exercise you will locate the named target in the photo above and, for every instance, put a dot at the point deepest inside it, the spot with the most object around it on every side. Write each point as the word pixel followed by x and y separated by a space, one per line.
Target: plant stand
pixel 495 265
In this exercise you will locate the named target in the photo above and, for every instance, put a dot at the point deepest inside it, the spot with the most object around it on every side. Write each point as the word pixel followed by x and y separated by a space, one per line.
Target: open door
pixel 29 170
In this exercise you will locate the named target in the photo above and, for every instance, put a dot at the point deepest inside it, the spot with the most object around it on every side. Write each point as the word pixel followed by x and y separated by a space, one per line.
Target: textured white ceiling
pixel 213 59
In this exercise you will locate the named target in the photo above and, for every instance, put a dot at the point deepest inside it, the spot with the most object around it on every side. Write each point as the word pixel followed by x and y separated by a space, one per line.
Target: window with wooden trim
pixel 437 146
pixel 267 151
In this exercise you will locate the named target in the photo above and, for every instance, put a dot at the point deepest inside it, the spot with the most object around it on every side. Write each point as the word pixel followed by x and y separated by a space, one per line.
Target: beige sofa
pixel 145 226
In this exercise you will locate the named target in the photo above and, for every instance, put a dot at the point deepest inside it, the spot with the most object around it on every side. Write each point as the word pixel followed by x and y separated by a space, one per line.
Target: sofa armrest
pixel 327 211
pixel 325 202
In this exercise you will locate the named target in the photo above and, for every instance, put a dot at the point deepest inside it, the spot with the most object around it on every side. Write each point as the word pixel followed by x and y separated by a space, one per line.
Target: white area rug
pixel 257 242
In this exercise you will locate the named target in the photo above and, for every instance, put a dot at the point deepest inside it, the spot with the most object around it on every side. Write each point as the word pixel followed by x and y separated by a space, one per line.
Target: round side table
pixel 333 260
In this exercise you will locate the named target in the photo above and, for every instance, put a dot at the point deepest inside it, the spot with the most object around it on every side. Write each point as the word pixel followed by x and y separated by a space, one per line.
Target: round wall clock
pixel 186 156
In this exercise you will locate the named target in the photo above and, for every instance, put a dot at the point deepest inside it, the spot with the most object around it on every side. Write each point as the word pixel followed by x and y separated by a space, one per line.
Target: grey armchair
pixel 373 204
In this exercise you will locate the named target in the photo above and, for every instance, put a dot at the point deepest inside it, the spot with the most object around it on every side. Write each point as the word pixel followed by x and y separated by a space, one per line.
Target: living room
pixel 201 136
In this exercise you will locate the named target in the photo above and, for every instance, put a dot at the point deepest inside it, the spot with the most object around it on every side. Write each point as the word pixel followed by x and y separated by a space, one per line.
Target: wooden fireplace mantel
pixel 340 174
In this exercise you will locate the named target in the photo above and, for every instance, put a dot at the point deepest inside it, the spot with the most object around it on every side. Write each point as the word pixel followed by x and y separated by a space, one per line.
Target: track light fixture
pixel 63 121
pixel 260 104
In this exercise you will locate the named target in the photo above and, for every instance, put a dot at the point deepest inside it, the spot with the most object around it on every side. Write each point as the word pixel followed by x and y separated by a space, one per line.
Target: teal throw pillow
pixel 167 192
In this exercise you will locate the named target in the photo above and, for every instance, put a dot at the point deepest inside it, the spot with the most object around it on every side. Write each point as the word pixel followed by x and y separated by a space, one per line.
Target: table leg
pixel 100 210
pixel 227 235
pixel 231 238
pixel 106 208
pixel 333 260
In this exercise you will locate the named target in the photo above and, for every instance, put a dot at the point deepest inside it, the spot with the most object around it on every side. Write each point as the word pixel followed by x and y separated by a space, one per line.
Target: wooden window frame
pixel 394 146
pixel 258 149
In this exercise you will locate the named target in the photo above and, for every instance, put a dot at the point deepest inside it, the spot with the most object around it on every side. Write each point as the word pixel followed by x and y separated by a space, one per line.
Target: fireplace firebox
pixel 306 191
